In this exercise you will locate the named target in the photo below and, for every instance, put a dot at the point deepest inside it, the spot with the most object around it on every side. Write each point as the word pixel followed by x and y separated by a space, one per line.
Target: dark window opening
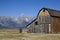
pixel 44 10
pixel 36 23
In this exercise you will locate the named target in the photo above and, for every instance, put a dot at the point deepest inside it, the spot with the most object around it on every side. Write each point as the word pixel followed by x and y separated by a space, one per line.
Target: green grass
pixel 28 36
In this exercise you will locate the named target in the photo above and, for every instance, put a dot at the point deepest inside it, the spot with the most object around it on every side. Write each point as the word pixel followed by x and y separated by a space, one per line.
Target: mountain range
pixel 12 22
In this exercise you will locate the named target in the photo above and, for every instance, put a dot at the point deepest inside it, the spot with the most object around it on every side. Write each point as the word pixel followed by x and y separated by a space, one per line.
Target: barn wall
pixel 55 25
pixel 32 28
pixel 43 20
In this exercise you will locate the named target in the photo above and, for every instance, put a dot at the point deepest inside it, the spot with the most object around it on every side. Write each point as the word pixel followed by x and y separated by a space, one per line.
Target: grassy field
pixel 28 36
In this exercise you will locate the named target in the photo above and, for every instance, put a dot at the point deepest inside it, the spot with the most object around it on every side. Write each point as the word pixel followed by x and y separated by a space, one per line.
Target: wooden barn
pixel 47 21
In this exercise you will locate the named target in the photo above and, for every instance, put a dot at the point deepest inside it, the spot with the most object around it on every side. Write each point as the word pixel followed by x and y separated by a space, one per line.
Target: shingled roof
pixel 52 12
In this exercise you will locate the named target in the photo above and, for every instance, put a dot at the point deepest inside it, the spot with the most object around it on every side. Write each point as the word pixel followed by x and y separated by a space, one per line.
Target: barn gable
pixel 44 12
pixel 52 12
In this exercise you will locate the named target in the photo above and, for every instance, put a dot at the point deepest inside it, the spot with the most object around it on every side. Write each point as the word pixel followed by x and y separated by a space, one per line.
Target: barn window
pixel 44 10
pixel 36 23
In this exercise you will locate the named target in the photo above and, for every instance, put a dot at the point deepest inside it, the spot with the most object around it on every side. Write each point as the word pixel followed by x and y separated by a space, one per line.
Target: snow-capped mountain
pixel 24 20
pixel 8 22
pixel 12 22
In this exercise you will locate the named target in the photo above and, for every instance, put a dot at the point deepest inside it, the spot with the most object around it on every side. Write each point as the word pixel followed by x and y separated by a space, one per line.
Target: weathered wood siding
pixel 43 21
pixel 55 25
pixel 32 28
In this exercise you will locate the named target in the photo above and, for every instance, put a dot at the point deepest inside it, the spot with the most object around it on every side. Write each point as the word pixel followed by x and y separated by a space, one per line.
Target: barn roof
pixel 52 12
pixel 32 22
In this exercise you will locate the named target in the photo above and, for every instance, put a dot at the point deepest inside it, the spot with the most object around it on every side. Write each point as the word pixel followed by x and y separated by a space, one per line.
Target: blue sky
pixel 27 7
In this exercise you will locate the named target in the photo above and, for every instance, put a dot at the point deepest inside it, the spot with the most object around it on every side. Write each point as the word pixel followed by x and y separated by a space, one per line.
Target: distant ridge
pixel 7 22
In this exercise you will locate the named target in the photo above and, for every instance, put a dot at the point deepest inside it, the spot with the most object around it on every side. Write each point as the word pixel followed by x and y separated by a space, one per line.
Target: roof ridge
pixel 50 9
